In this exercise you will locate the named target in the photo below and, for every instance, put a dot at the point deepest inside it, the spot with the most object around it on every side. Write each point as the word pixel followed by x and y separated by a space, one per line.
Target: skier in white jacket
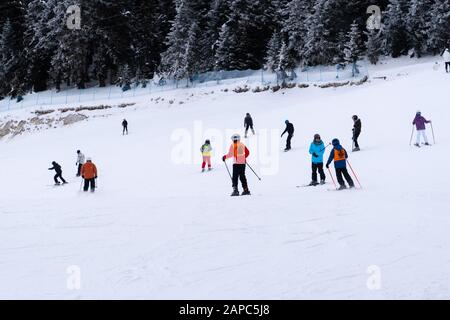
pixel 80 162
pixel 446 56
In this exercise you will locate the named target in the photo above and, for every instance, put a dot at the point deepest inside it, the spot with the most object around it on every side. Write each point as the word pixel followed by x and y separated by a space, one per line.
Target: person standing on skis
pixel 356 132
pixel 89 174
pixel 339 156
pixel 420 122
pixel 446 56
pixel 248 124
pixel 239 152
pixel 317 149
pixel 124 126
pixel 58 174
pixel 80 162
pixel 290 131
pixel 206 154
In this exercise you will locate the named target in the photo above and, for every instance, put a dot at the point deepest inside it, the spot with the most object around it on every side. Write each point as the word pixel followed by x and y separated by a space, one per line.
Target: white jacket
pixel 446 56
pixel 80 158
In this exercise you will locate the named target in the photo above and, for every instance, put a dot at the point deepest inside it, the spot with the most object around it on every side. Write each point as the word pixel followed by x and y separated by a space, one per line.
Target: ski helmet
pixel 317 137
pixel 236 137
pixel 88 159
pixel 287 121
pixel 355 117
pixel 207 142
pixel 335 142
pixel 78 151
pixel 418 113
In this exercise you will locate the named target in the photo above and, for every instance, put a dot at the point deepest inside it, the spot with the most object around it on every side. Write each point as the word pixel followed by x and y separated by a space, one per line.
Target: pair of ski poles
pixel 354 174
pixel 247 165
pixel 432 131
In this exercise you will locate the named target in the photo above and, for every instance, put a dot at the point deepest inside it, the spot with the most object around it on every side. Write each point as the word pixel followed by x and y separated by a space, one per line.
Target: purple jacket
pixel 420 121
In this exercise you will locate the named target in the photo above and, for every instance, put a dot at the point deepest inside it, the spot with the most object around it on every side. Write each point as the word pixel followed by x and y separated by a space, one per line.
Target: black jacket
pixel 248 121
pixel 125 123
pixel 56 167
pixel 289 129
pixel 357 126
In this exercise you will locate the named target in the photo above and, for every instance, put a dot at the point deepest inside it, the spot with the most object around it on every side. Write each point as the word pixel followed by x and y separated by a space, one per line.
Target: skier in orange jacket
pixel 89 174
pixel 239 152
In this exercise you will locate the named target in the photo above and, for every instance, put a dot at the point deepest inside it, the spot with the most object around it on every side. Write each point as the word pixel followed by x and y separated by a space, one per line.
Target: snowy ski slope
pixel 157 228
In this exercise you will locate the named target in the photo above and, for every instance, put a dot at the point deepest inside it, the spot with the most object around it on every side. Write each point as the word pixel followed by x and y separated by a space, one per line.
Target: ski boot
pixel 352 186
pixel 417 145
pixel 209 169
pixel 287 149
pixel 235 192
pixel 246 192
pixel 342 187
pixel 427 144
pixel 355 149
pixel 313 183
pixel 203 170
pixel 322 182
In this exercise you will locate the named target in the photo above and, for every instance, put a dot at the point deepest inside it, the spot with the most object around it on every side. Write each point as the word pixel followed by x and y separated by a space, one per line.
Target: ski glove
pixel 224 158
pixel 315 155
pixel 327 166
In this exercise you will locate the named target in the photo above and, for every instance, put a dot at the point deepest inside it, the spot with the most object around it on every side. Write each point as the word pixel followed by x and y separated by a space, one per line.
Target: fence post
pixel 51 96
pixel 37 99
pixel 67 94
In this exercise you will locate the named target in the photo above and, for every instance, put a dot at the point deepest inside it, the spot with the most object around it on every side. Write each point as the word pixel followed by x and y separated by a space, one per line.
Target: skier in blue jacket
pixel 339 155
pixel 317 149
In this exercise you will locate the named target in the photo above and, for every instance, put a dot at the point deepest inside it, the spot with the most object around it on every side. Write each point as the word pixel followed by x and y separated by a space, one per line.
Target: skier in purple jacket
pixel 420 122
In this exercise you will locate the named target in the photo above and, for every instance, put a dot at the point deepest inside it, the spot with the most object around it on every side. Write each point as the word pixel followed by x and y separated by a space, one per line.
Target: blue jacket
pixel 319 150
pixel 339 152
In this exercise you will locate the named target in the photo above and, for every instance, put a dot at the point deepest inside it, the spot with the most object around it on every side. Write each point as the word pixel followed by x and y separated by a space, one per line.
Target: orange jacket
pixel 239 152
pixel 89 170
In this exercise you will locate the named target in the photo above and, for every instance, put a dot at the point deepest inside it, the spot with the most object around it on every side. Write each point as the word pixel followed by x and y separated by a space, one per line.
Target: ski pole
pixel 226 166
pixel 253 171
pixel 354 174
pixel 412 132
pixel 81 183
pixel 432 131
pixel 332 178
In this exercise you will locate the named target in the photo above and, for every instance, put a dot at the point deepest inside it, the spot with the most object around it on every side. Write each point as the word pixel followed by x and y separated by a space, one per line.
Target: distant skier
pixel 206 154
pixel 420 122
pixel 356 132
pixel 446 56
pixel 125 126
pixel 248 124
pixel 58 174
pixel 89 174
pixel 80 162
pixel 339 156
pixel 239 152
pixel 317 149
pixel 290 130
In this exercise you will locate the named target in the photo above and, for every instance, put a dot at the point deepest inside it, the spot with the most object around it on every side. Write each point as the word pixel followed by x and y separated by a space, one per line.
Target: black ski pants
pixel 343 172
pixel 239 174
pixel 79 169
pixel 447 66
pixel 288 141
pixel 59 175
pixel 317 167
pixel 125 129
pixel 355 138
pixel 88 182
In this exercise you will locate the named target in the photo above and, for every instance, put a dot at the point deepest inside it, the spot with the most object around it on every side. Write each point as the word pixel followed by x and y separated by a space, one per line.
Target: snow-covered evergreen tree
pixel 395 28
pixel 374 45
pixel 418 23
pixel 439 27
pixel 353 47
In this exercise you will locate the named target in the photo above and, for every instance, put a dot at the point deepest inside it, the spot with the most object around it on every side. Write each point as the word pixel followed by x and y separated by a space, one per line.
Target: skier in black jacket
pixel 124 126
pixel 248 124
pixel 290 130
pixel 356 132
pixel 58 174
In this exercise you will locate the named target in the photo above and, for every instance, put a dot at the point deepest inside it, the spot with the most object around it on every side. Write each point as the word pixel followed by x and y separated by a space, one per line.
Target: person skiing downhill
pixel 339 155
pixel 290 130
pixel 125 126
pixel 356 132
pixel 317 149
pixel 446 56
pixel 58 170
pixel 248 124
pixel 80 162
pixel 206 154
pixel 89 174
pixel 239 152
pixel 419 121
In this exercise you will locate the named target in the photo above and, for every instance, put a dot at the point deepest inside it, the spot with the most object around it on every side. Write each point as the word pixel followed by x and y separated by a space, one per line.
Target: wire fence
pixel 308 75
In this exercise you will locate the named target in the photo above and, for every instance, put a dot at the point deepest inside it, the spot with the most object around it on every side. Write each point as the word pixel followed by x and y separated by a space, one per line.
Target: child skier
pixel 339 156
pixel 420 122
pixel 239 152
pixel 446 56
pixel 80 162
pixel 58 174
pixel 248 124
pixel 206 154
pixel 89 174
pixel 317 149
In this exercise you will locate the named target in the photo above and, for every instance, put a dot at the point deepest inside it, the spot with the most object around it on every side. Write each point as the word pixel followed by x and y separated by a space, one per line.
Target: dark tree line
pixel 128 41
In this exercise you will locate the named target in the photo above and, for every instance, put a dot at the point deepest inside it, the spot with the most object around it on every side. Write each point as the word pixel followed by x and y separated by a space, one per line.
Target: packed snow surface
pixel 157 228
